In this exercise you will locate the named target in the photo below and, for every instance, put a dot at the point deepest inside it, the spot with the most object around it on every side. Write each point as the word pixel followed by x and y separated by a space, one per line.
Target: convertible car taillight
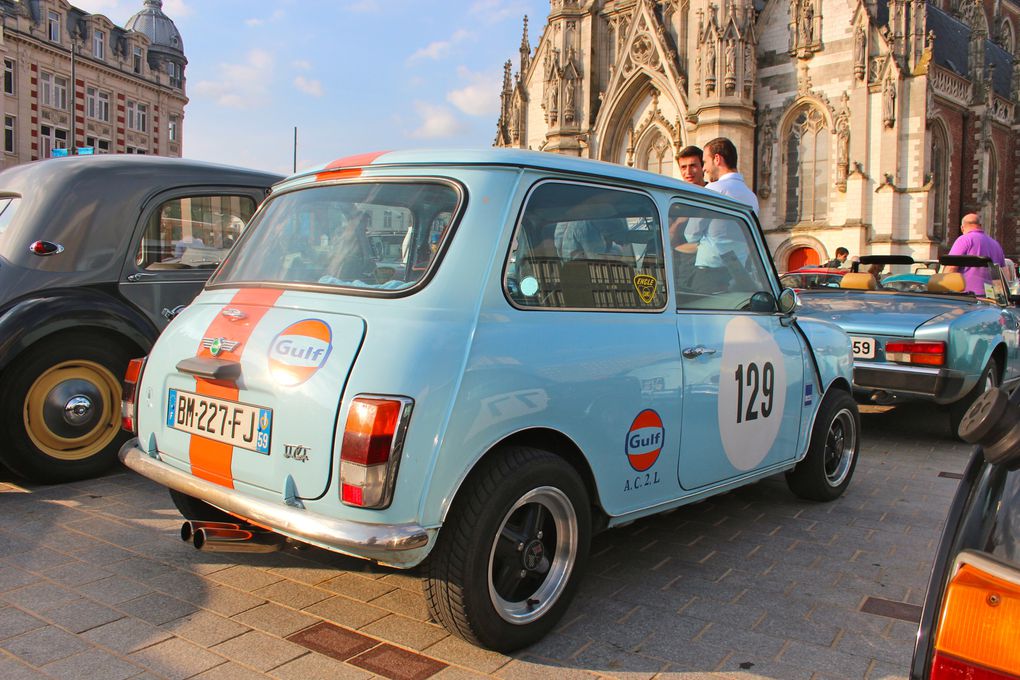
pixel 910 352
pixel 128 412
pixel 978 624
pixel 370 453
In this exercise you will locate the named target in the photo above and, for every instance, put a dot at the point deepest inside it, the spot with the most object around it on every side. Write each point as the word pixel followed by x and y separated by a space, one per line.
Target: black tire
pixel 989 380
pixel 47 438
pixel 829 465
pixel 523 511
pixel 194 509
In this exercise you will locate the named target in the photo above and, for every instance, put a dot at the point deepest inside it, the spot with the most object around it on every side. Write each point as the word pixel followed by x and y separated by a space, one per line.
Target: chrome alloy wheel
pixel 840 445
pixel 533 555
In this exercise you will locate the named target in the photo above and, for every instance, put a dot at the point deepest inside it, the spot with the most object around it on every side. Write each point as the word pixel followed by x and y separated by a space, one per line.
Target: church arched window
pixel 657 155
pixel 806 160
pixel 940 181
pixel 1006 39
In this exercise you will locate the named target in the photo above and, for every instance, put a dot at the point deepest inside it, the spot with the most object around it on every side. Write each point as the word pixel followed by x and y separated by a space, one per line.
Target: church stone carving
pixel 860 53
pixel 889 103
pixel 805 28
pixel 843 143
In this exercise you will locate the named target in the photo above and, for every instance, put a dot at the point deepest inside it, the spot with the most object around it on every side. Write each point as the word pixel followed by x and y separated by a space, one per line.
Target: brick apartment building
pixel 77 81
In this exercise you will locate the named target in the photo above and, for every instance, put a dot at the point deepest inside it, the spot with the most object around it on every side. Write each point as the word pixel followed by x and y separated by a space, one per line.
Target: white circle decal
pixel 529 285
pixel 752 392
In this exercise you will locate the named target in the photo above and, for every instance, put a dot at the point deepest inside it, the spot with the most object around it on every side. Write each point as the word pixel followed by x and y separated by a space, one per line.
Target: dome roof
pixel 160 29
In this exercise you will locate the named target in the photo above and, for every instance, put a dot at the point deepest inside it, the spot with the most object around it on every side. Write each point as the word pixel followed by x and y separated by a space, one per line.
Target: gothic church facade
pixel 869 124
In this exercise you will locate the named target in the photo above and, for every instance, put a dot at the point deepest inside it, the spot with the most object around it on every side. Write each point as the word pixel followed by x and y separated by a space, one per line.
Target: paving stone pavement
pixel 753 584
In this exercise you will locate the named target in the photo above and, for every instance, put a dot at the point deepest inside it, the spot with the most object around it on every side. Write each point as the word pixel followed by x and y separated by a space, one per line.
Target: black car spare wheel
pixel 507 560
pixel 826 470
pixel 60 409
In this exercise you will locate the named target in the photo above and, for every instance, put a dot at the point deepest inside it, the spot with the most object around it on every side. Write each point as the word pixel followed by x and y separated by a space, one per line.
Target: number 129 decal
pixel 752 392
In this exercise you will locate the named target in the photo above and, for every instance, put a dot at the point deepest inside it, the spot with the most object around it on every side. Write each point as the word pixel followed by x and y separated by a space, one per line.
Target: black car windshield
pixel 363 235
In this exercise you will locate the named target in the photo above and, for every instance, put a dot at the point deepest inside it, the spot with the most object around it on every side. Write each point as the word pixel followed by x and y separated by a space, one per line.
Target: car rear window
pixel 383 236
pixel 8 208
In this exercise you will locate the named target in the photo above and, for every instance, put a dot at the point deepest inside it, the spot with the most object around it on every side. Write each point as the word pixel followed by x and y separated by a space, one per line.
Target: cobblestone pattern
pixel 754 584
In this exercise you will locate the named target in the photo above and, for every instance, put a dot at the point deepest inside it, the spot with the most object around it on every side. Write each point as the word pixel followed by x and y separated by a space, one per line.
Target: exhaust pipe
pixel 238 540
pixel 189 528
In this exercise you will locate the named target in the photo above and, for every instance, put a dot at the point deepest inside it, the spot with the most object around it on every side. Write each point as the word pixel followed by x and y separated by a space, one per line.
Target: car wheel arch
pixel 546 439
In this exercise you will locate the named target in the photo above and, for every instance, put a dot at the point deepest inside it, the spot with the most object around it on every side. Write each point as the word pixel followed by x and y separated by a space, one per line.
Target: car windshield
pixel 361 235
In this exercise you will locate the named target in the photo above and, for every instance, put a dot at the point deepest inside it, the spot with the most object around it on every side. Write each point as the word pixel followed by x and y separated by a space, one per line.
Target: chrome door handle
pixel 695 352
pixel 138 276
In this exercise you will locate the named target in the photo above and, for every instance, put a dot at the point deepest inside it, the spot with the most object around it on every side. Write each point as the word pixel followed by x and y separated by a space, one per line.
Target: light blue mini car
pixel 481 358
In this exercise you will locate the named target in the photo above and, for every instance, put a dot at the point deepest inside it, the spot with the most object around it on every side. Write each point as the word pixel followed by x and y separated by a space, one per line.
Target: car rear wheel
pixel 60 409
pixel 826 470
pixel 989 380
pixel 507 560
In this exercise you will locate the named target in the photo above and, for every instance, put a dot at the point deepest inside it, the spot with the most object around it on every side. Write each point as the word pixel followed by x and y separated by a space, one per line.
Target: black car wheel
pixel 826 470
pixel 60 409
pixel 507 560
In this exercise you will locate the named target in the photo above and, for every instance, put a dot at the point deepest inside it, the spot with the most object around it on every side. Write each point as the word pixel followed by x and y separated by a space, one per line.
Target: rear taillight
pixel 132 376
pixel 923 353
pixel 978 624
pixel 370 453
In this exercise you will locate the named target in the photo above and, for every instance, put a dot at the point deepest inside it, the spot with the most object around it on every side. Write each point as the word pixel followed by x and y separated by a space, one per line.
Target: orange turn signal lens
pixel 981 615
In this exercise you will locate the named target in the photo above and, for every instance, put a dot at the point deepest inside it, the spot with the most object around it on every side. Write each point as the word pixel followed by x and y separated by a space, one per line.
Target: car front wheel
pixel 60 409
pixel 826 470
pixel 507 561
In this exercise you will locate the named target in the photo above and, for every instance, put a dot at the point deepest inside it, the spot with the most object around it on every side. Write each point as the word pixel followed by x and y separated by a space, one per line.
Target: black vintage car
pixel 970 623
pixel 96 253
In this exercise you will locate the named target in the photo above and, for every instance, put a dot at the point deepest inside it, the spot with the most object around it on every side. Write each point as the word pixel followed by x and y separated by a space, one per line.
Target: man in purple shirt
pixel 974 241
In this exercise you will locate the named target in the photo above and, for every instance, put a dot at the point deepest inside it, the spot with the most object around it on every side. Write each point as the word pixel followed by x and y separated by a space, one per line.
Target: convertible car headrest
pixel 858 281
pixel 946 283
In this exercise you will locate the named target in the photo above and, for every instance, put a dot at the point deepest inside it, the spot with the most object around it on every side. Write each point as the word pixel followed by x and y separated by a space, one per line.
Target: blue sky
pixel 352 75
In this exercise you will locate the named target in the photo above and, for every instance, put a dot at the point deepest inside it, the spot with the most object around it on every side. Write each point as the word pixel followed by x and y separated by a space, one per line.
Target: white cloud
pixel 494 11
pixel 312 87
pixel 440 48
pixel 436 122
pixel 240 86
pixel 301 64
pixel 364 6
pixel 480 97
pixel 177 9
pixel 259 21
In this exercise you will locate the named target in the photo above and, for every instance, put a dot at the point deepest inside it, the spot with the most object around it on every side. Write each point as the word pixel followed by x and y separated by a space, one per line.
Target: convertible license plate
pixel 242 425
pixel 864 348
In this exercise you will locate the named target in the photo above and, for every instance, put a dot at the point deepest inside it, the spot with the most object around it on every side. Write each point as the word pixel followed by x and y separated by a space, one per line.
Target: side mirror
pixel 762 301
pixel 787 301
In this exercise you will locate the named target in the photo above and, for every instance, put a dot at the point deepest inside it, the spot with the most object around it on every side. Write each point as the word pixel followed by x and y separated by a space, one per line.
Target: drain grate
pixel 892 609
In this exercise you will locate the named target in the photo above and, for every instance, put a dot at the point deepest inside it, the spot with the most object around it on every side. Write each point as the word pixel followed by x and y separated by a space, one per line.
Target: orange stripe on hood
pixel 211 460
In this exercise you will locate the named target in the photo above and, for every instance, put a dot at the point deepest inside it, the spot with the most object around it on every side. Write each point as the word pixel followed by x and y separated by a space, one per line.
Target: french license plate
pixel 864 348
pixel 242 425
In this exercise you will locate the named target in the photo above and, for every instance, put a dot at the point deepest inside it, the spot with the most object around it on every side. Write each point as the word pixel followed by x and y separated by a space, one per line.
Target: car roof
pixel 519 158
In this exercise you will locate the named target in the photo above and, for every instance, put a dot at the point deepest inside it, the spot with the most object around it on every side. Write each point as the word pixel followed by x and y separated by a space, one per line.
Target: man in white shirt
pixel 716 237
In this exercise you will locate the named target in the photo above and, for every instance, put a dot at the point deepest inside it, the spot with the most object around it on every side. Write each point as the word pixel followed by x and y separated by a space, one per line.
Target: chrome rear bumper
pixel 398 545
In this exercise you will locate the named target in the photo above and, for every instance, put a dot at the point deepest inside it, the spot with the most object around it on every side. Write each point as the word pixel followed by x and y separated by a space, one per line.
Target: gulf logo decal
pixel 644 440
pixel 299 350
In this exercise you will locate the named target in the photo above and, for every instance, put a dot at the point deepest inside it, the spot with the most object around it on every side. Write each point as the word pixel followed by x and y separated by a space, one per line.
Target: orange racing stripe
pixel 211 460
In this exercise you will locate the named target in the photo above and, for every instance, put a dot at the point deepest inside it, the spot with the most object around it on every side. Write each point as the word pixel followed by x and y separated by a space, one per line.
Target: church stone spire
pixel 525 49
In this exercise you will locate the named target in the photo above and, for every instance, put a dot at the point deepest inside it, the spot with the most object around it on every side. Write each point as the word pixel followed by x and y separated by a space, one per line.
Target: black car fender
pixel 27 320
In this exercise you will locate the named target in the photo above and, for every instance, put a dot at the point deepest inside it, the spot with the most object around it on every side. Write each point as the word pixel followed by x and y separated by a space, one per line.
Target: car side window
pixel 587 247
pixel 715 261
pixel 193 232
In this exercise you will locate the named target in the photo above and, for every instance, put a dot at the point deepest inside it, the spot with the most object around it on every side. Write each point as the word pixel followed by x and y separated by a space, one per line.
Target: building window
pixel 175 72
pixel 135 150
pixel 52 138
pixel 9 76
pixel 53 26
pixel 98 145
pixel 10 128
pixel 53 90
pixel 137 116
pixel 940 182
pixel 99 44
pixel 136 59
pixel 173 128
pixel 806 151
pixel 97 104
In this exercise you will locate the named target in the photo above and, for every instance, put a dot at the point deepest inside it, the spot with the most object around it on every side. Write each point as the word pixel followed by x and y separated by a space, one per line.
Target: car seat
pixel 858 281
pixel 947 283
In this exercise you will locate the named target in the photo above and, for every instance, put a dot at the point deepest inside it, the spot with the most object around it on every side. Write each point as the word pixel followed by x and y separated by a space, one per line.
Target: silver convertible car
pixel 938 343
